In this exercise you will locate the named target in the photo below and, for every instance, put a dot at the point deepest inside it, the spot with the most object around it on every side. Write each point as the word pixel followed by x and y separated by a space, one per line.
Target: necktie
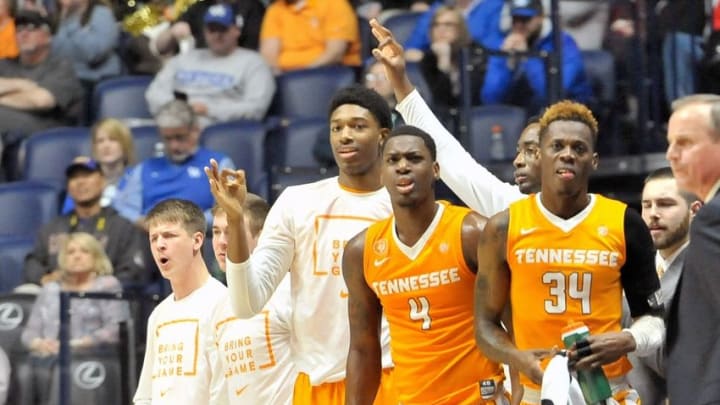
pixel 660 268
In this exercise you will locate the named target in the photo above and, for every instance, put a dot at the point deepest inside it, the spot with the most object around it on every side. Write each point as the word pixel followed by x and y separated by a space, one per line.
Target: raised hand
pixel 229 189
pixel 390 53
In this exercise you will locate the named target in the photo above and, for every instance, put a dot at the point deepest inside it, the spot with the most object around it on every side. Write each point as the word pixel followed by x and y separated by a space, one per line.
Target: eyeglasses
pixel 179 137
pixel 28 27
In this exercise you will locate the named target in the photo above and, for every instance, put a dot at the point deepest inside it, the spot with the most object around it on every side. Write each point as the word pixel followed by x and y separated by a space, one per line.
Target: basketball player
pixel 566 255
pixel 254 354
pixel 417 266
pixel 180 353
pixel 305 233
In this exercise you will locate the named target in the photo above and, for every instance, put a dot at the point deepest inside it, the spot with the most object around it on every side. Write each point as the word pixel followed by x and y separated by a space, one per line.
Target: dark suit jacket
pixel 693 334
pixel 648 373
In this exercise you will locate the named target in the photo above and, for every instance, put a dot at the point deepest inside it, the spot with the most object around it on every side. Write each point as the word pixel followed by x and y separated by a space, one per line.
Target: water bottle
pixel 593 383
pixel 159 149
pixel 497 144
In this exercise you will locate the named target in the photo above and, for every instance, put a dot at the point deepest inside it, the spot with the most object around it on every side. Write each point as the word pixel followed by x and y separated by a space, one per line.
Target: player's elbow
pixel 242 307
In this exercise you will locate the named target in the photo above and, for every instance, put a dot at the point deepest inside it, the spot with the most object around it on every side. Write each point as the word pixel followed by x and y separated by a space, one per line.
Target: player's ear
pixel 436 171
pixel 595 160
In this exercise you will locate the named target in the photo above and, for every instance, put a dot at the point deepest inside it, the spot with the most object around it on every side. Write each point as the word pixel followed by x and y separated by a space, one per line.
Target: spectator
pixel 301 34
pixel 88 34
pixel 522 81
pixel 370 9
pixel 119 237
pixel 37 91
pixel 113 149
pixel 190 26
pixel 375 79
pixel 222 82
pixel 681 23
pixel 178 174
pixel 482 19
pixel 8 43
pixel 441 64
pixel 84 266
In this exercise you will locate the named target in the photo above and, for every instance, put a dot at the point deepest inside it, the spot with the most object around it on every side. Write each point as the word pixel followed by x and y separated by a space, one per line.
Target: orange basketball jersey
pixel 427 295
pixel 566 270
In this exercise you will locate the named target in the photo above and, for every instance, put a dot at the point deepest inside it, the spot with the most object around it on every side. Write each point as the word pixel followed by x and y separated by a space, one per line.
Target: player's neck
pixel 412 222
pixel 195 278
pixel 367 182
pixel 670 251
pixel 565 206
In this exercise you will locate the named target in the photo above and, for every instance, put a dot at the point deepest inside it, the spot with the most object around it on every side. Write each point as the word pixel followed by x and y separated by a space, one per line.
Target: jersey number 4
pixel 564 287
pixel 420 311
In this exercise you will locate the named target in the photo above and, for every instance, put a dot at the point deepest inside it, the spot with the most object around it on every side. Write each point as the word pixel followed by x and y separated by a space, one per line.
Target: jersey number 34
pixel 566 287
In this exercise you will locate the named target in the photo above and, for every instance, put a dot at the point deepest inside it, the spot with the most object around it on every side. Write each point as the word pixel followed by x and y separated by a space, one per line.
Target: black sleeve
pixel 638 276
pixel 252 13
pixel 438 81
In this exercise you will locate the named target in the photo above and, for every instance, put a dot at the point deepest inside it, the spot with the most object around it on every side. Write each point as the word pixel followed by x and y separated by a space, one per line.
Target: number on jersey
pixel 420 311
pixel 575 286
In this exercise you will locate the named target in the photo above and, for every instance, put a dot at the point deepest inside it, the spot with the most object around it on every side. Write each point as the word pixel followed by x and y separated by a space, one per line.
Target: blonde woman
pixel 84 266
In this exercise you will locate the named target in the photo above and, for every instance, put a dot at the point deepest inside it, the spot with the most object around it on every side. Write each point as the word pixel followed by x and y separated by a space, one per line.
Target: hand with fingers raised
pixel 229 189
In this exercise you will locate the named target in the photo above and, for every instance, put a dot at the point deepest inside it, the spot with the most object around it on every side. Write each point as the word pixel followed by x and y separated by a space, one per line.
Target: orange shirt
pixel 8 44
pixel 303 32
pixel 427 296
pixel 566 275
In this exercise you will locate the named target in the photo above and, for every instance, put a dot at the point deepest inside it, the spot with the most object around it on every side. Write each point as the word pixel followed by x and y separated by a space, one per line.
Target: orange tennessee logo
pixel 240 390
pixel 343 294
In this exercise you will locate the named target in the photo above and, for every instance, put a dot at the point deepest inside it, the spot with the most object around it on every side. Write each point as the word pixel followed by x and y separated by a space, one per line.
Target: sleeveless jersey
pixel 566 270
pixel 427 297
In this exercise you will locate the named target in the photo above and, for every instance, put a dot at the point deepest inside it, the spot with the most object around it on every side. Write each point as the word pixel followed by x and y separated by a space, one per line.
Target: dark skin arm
pixel 492 294
pixel 364 365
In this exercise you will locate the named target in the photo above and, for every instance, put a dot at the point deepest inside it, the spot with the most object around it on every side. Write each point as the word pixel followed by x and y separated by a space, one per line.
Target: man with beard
pixel 122 241
pixel 178 174
pixel 567 255
pixel 667 211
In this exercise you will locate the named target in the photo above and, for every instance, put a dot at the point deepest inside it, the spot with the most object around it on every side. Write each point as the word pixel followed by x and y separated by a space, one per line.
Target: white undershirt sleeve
pixel 472 182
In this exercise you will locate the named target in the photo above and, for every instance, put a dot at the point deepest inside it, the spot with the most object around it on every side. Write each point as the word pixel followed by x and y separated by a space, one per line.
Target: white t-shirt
pixel 305 232
pixel 254 353
pixel 180 354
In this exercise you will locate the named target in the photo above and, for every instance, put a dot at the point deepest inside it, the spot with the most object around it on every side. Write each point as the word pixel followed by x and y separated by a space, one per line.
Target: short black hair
pixel 414 131
pixel 366 98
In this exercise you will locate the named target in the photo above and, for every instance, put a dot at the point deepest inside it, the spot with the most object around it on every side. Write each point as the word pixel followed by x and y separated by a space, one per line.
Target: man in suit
pixel 667 211
pixel 693 362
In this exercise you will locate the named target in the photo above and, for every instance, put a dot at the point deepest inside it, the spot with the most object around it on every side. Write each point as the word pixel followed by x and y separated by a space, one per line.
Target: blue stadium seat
pixel 402 25
pixel 12 261
pixel 307 92
pixel 244 142
pixel 367 40
pixel 46 154
pixel 26 206
pixel 483 118
pixel 284 177
pixel 292 144
pixel 121 97
pixel 145 138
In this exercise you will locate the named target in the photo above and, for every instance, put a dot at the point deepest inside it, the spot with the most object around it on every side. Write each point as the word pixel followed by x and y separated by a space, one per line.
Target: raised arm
pixel 251 281
pixel 364 358
pixel 473 183
pixel 492 292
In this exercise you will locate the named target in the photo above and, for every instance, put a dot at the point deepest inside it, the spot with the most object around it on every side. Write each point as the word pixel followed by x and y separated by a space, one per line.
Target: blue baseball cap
pixel 526 8
pixel 87 166
pixel 221 14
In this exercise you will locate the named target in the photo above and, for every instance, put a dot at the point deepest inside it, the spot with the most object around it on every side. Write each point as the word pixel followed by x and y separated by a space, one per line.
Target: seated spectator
pixel 37 91
pixel 375 79
pixel 481 17
pixel 84 267
pixel 178 174
pixel 113 149
pixel 121 239
pixel 522 80
pixel 88 35
pixel 302 34
pixel 441 64
pixel 380 9
pixel 221 83
pixel 8 43
pixel 190 26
